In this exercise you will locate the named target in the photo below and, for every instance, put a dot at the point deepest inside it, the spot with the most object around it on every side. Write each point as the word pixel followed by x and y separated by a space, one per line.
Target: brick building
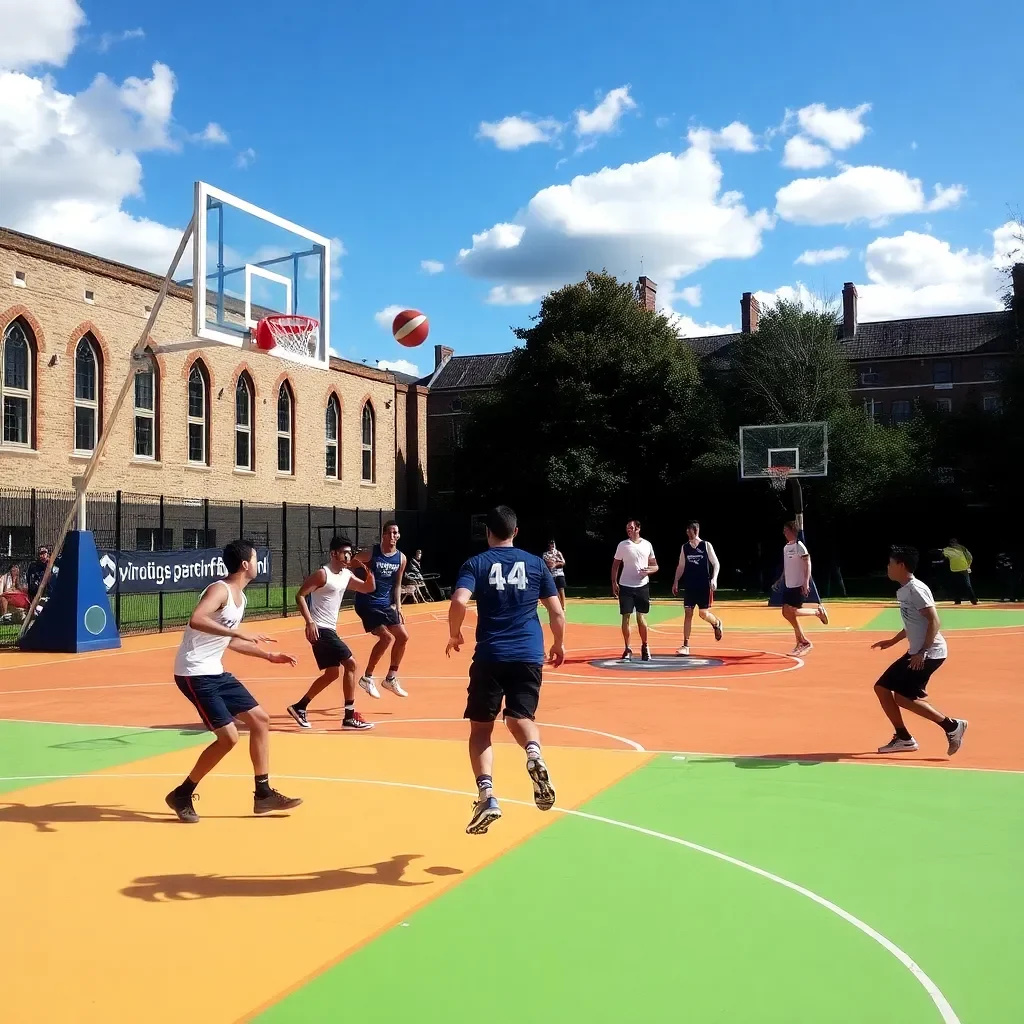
pixel 216 421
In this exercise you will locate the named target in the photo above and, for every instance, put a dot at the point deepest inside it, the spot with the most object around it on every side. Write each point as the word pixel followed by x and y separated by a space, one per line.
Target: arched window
pixel 198 414
pixel 369 444
pixel 147 424
pixel 285 429
pixel 245 437
pixel 88 394
pixel 332 433
pixel 17 361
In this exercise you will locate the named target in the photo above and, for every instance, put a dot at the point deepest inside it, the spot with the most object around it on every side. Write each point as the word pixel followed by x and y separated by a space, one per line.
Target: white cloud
pixel 386 316
pixel 431 266
pixel 213 134
pixel 516 132
pixel 668 214
pixel 736 136
pixel 605 117
pixel 109 39
pixel 662 122
pixel 399 366
pixel 245 158
pixel 38 32
pixel 803 154
pixel 691 296
pixel 839 128
pixel 814 257
pixel 867 193
pixel 789 293
pixel 687 327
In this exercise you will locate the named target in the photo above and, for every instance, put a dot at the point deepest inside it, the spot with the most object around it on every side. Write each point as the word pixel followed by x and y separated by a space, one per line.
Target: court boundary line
pixel 946 1011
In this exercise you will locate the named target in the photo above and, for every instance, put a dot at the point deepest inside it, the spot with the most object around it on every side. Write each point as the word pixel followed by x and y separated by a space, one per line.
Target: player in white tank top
pixel 217 695
pixel 319 603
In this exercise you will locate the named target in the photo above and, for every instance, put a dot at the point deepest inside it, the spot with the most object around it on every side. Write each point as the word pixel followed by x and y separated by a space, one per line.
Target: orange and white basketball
pixel 410 328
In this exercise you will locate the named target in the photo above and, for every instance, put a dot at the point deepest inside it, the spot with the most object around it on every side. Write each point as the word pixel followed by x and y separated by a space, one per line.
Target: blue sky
pixel 896 122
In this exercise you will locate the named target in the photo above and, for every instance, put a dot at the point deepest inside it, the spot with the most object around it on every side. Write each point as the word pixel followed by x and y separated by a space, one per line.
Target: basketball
pixel 410 328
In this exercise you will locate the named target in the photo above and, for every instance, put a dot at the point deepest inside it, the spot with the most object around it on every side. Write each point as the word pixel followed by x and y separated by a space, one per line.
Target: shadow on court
pixel 127 739
pixel 763 761
pixel 45 816
pixel 164 888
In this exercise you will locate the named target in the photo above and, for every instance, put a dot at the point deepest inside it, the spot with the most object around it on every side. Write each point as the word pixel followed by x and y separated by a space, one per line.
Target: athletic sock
pixel 188 787
pixel 350 706
pixel 263 785
pixel 948 725
pixel 903 732
pixel 301 705
pixel 484 783
pixel 392 672
pixel 533 750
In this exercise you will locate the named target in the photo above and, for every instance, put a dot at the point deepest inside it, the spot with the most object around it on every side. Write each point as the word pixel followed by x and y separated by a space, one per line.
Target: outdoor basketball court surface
pixel 726 846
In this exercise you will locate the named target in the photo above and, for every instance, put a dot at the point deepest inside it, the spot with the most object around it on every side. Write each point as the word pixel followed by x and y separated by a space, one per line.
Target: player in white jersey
pixel 217 695
pixel 796 584
pixel 324 589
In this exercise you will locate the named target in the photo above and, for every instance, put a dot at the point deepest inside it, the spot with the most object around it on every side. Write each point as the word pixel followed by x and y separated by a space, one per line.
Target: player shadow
pixel 122 740
pixel 172 888
pixel 809 760
pixel 45 816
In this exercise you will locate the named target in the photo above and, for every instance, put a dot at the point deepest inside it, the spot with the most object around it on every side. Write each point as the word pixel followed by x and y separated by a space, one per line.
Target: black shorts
pixel 560 582
pixel 793 596
pixel 218 699
pixel 908 682
pixel 634 599
pixel 698 597
pixel 490 682
pixel 330 650
pixel 374 618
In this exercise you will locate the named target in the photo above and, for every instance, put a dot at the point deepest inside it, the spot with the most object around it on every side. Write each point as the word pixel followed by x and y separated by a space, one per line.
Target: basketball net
pixel 777 477
pixel 299 335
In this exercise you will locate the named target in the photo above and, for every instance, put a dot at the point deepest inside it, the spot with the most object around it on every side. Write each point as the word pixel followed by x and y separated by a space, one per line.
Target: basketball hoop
pixel 299 335
pixel 777 476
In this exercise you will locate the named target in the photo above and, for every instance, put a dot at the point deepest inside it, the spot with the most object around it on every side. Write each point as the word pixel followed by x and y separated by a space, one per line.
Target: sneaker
pixel 274 801
pixel 182 805
pixel 684 651
pixel 896 744
pixel 299 714
pixel 392 684
pixel 484 813
pixel 802 648
pixel 718 629
pixel 543 791
pixel 956 737
pixel 627 655
pixel 367 683
pixel 822 614
pixel 355 721
pixel 645 653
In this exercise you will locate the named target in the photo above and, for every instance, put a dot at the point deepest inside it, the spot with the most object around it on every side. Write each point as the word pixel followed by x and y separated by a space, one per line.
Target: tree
pixel 1015 254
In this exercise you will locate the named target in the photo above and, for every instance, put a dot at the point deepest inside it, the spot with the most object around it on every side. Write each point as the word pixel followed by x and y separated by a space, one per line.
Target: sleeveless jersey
pixel 385 573
pixel 698 566
pixel 200 654
pixel 325 601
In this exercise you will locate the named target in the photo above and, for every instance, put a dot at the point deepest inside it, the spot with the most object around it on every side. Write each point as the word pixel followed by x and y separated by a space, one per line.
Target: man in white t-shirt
pixel 904 683
pixel 634 559
pixel 796 583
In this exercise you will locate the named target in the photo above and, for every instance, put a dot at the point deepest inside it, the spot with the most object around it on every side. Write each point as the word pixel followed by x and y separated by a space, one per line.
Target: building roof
pixel 469 371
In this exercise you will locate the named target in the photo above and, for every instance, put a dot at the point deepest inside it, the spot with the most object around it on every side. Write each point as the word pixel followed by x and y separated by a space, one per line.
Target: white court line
pixel 946 1011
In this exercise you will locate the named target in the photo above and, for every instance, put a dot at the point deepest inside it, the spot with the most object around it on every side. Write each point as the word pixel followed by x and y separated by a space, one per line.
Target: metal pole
pixel 160 595
pixel 129 381
pixel 117 546
pixel 309 538
pixel 284 558
pixel 241 517
pixel 32 515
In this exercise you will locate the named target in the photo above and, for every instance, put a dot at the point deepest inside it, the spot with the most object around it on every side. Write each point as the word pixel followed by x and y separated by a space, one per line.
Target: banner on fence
pixel 146 572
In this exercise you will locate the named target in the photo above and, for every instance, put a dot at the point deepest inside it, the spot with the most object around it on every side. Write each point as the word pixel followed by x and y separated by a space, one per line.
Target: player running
pixel 904 683
pixel 381 611
pixel 217 695
pixel 325 589
pixel 508 661
pixel 698 569
pixel 796 579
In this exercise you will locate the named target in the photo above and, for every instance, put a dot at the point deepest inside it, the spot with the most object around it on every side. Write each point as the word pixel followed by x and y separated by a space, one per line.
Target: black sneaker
pixel 355 721
pixel 299 714
pixel 182 805
pixel 645 653
pixel 627 655
pixel 274 801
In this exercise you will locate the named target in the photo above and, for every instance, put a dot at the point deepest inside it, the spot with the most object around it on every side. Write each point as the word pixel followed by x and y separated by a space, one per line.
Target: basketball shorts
pixel 634 599
pixel 793 596
pixel 374 618
pixel 908 682
pixel 515 683
pixel 330 650
pixel 560 582
pixel 698 597
pixel 218 699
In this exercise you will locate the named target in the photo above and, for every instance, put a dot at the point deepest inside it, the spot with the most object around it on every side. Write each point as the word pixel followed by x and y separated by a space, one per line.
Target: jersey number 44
pixel 516 578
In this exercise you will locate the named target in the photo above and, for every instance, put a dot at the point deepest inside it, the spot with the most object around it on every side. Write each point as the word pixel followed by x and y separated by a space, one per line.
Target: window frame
pixel 285 391
pixel 140 412
pixel 368 449
pixel 26 394
pixel 333 402
pixel 92 405
pixel 202 421
pixel 244 383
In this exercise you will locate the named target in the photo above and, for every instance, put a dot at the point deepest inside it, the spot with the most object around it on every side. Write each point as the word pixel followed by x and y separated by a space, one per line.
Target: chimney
pixel 750 313
pixel 646 293
pixel 441 353
pixel 1017 297
pixel 849 310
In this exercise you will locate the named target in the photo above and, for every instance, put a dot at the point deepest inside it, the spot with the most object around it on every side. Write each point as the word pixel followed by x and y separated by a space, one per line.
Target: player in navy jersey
pixel 381 611
pixel 698 570
pixel 508 662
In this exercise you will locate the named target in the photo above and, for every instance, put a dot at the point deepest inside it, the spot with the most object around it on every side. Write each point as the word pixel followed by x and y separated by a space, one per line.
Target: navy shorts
pixel 697 597
pixel 908 682
pixel 374 618
pixel 634 599
pixel 794 597
pixel 517 683
pixel 330 650
pixel 218 699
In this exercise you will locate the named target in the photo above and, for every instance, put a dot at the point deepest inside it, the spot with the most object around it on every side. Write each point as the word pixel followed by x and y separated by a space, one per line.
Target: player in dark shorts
pixel 325 590
pixel 698 570
pixel 555 561
pixel 904 683
pixel 508 662
pixel 381 611
pixel 633 565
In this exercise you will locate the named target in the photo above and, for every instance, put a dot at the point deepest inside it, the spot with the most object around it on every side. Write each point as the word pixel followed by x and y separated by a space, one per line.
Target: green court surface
pixel 964 617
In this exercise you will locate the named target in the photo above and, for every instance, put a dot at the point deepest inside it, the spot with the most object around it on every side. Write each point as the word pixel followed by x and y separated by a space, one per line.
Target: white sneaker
pixel 683 651
pixel 896 744
pixel 391 683
pixel 822 614
pixel 802 648
pixel 956 737
pixel 367 683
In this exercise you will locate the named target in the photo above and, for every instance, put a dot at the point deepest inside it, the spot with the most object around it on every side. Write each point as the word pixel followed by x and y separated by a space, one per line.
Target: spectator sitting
pixel 1007 577
pixel 14 599
pixel 414 570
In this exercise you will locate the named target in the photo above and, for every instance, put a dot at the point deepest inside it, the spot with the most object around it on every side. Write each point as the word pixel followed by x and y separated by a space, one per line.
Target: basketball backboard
pixel 800 448
pixel 249 263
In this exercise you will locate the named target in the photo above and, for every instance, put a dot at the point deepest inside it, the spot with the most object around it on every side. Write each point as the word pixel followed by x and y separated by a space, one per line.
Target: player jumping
pixel 325 589
pixel 698 569
pixel 796 579
pixel 509 658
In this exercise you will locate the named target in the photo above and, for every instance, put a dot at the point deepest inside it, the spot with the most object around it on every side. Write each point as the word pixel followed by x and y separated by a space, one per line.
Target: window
pixel 992 403
pixel 145 409
pixel 245 447
pixel 991 368
pixel 457 433
pixel 943 405
pixel 87 395
pixel 20 279
pixel 873 408
pixel 285 417
pixel 456 405
pixel 900 411
pixel 149 539
pixel 369 439
pixel 194 540
pixel 942 375
pixel 332 436
pixel 198 414
pixel 868 376
pixel 90 296
pixel 16 383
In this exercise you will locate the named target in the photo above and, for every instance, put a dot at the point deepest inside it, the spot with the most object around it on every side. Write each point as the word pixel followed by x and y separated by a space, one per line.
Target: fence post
pixel 284 559
pixel 309 538
pixel 160 595
pixel 206 522
pixel 334 521
pixel 358 548
pixel 117 573
pixel 241 517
